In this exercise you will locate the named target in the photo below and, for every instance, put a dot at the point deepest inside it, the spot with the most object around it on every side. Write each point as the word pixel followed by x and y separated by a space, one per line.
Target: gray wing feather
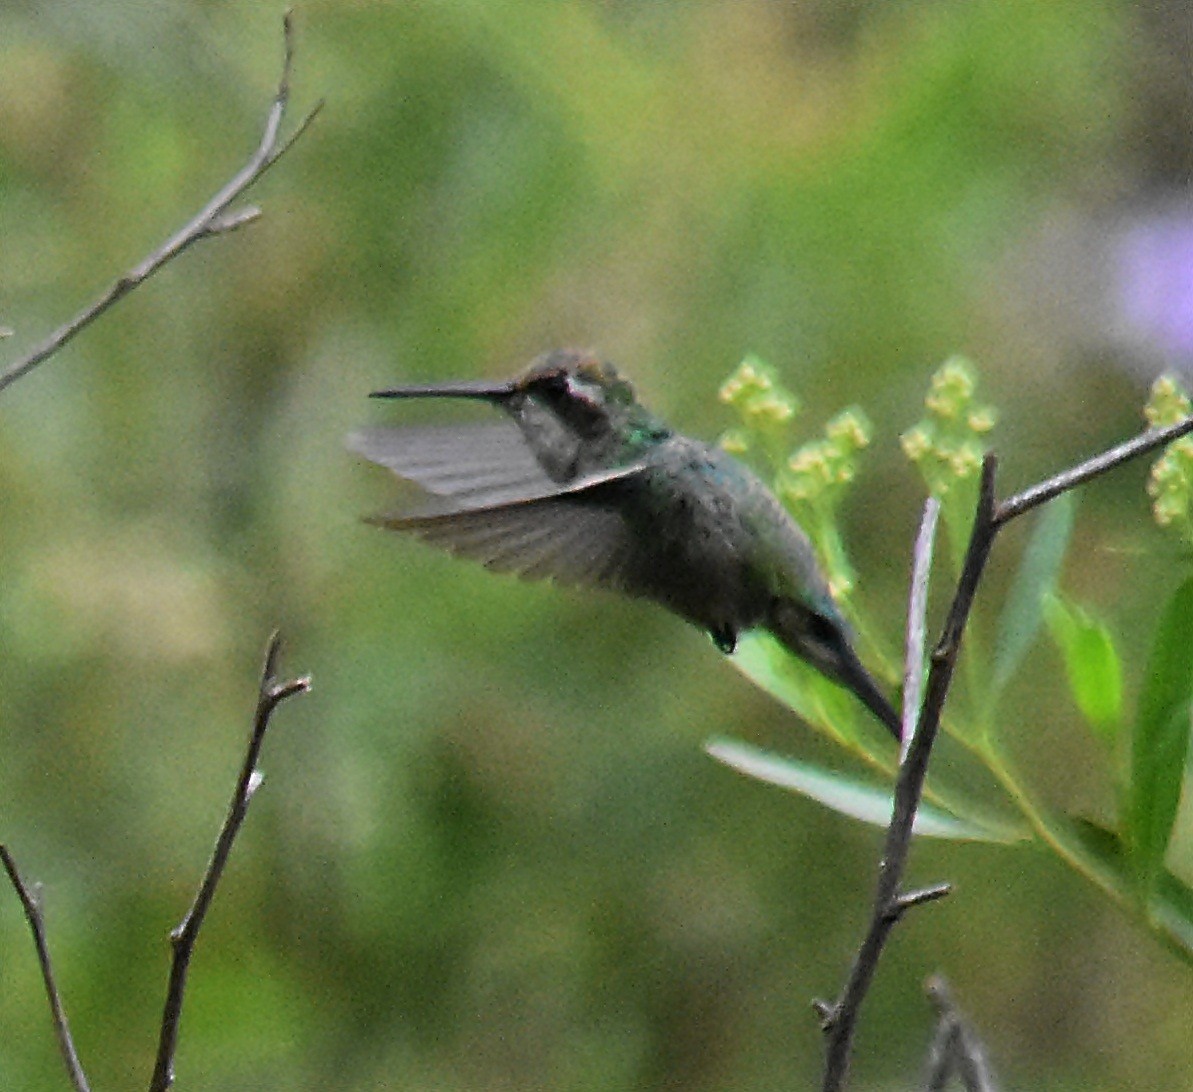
pixel 552 538
pixel 491 501
pixel 475 466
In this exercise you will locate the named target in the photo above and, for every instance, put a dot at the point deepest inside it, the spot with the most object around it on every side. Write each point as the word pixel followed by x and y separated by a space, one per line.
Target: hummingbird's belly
pixel 704 563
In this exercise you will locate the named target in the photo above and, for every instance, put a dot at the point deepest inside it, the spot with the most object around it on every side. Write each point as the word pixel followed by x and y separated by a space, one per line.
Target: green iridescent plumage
pixel 591 488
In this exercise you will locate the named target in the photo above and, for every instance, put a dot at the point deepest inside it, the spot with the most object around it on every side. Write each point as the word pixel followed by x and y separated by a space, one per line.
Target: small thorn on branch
pixel 922 895
pixel 273 693
pixel 826 1012
pixel 230 221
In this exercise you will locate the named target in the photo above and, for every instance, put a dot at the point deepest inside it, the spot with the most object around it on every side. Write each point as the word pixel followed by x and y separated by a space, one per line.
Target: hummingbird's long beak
pixel 480 389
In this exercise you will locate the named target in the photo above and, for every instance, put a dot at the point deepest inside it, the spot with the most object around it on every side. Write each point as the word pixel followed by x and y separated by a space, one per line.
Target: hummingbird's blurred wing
pixel 547 538
pixel 475 466
pixel 492 502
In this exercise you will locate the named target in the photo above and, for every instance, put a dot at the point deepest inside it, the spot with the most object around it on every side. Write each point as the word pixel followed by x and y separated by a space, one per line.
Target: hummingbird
pixel 581 483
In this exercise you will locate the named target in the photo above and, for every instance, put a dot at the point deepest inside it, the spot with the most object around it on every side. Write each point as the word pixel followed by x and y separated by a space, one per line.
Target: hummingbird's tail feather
pixel 479 389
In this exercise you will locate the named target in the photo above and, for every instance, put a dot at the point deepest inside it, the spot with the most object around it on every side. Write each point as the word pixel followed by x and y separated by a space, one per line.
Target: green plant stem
pixel 1071 852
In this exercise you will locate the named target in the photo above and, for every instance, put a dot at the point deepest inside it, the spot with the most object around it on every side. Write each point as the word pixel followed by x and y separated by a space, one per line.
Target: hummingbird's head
pixel 577 387
pixel 575 375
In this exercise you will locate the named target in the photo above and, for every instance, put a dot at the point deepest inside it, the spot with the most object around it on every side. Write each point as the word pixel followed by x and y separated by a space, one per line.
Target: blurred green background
pixel 490 852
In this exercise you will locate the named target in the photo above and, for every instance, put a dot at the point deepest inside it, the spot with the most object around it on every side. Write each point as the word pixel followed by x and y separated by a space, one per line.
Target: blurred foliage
pixel 489 852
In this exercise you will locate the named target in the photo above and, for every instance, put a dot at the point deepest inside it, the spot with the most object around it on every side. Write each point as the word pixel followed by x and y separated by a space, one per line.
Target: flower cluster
pixel 764 406
pixel 1170 484
pixel 824 467
pixel 947 444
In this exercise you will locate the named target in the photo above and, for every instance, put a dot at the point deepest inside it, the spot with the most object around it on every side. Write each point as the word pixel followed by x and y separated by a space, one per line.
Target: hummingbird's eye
pixel 551 385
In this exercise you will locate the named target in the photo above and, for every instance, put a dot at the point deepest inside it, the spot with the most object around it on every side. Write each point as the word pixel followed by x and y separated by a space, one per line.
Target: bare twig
pixel 1053 487
pixel 921 895
pixel 270 695
pixel 839 1019
pixel 214 218
pixel 956 1049
pixel 31 904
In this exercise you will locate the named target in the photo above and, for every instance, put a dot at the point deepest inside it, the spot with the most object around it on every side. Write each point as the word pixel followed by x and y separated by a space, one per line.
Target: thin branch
pixel 1061 483
pixel 981 539
pixel 839 1021
pixel 921 895
pixel 956 1048
pixel 213 219
pixel 270 695
pixel 31 904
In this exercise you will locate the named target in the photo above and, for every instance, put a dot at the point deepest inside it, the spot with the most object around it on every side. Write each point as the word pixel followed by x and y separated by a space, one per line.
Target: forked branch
pixel 956 1049
pixel 839 1019
pixel 217 217
pixel 270 695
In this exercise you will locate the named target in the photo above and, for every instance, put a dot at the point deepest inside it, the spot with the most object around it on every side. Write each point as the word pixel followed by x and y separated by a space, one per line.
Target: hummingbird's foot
pixel 725 638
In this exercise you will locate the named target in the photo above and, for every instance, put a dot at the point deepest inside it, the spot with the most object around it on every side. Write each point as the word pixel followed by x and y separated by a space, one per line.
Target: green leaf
pixel 961 784
pixel 917 621
pixel 1100 853
pixel 1161 739
pixel 796 685
pixel 869 803
pixel 1035 579
pixel 1092 665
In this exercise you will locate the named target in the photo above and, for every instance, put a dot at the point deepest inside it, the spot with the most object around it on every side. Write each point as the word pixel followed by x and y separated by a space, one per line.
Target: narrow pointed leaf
pixel 848 796
pixel 1035 579
pixel 1092 665
pixel 1160 740
pixel 960 784
pixel 917 624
